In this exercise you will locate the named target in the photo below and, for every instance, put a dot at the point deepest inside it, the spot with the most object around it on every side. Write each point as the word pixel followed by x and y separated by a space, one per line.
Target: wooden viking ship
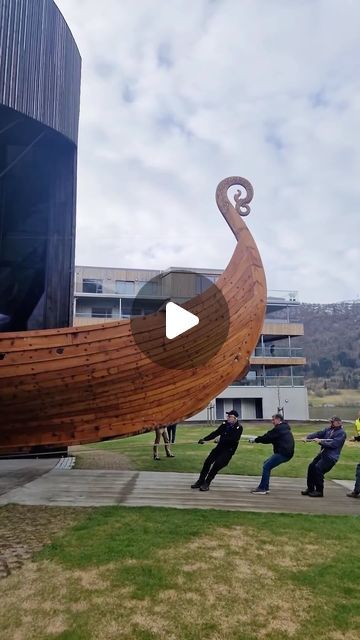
pixel 85 384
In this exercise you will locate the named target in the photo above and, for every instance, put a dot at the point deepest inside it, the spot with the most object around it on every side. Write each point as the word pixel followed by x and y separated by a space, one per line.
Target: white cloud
pixel 178 95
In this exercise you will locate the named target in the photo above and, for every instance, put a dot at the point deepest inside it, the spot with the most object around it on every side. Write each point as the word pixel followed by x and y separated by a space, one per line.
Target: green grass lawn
pixel 247 460
pixel 342 398
pixel 156 574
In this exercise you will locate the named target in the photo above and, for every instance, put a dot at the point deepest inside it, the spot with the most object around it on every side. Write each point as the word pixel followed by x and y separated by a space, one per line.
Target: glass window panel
pixel 90 285
pixel 101 312
pixel 125 286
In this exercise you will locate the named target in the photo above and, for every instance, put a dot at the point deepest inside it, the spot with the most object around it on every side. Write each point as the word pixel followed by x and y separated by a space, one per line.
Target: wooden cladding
pixel 283 328
pixel 278 361
pixel 40 64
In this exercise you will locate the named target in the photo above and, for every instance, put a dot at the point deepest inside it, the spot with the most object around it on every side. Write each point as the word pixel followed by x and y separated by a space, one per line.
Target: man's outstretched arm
pixel 211 436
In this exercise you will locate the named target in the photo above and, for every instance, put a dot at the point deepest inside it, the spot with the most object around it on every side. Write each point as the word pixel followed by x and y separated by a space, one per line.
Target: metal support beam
pixel 11 125
pixel 21 155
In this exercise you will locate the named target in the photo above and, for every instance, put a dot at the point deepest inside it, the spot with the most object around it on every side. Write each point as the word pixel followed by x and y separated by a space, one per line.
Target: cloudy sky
pixel 178 94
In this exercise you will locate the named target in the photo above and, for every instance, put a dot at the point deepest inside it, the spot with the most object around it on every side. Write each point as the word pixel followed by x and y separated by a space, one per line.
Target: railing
pixel 284 320
pixel 282 295
pixel 278 352
pixel 106 316
pixel 154 290
pixel 270 381
pixel 110 292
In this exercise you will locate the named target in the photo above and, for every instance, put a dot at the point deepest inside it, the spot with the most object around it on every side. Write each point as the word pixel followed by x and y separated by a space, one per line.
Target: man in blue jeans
pixel 283 445
pixel 331 441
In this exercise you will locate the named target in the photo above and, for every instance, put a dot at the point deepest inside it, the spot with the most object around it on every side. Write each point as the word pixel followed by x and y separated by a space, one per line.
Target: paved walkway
pixel 16 473
pixel 86 488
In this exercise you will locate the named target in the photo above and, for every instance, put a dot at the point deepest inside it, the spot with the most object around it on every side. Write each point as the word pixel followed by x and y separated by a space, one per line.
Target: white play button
pixel 178 320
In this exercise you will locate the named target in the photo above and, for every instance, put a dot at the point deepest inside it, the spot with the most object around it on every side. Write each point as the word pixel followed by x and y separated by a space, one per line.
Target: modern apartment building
pixel 272 383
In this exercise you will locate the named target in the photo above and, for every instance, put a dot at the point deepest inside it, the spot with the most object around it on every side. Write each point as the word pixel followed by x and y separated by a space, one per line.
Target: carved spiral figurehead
pixel 242 199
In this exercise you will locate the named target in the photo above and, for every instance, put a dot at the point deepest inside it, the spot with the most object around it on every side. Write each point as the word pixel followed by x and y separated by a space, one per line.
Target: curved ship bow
pixel 90 383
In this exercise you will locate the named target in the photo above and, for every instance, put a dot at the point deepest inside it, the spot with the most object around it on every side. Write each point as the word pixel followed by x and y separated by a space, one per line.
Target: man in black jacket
pixel 283 445
pixel 229 434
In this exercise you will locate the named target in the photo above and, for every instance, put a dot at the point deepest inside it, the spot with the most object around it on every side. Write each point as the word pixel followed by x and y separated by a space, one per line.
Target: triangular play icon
pixel 178 320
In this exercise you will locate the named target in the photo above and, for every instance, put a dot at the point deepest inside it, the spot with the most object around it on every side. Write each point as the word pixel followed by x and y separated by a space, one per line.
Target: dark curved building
pixel 40 70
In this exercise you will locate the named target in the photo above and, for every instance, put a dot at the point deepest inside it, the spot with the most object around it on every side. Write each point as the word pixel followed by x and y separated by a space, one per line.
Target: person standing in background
pixel 171 429
pixel 161 432
pixel 356 429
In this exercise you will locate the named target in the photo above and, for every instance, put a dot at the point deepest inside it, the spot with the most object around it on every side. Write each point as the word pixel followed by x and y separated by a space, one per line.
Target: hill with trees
pixel 331 344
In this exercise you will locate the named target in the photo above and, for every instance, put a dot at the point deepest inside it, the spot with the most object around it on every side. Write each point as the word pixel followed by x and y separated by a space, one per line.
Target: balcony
pixel 279 296
pixel 270 381
pixel 274 356
pixel 82 319
pixel 278 352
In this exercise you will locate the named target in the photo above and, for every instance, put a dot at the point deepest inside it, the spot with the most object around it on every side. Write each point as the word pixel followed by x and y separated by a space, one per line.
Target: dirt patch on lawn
pixel 236 587
pixel 98 459
pixel 24 530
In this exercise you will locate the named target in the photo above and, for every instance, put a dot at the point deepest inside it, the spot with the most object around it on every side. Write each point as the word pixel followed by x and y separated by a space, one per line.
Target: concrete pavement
pixel 18 472
pixel 40 482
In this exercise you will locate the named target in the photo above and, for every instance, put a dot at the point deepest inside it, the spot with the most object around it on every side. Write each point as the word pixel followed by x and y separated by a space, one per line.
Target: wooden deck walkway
pixel 84 488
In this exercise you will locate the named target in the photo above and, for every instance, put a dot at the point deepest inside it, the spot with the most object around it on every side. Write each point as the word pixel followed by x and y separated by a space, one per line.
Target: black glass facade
pixel 39 111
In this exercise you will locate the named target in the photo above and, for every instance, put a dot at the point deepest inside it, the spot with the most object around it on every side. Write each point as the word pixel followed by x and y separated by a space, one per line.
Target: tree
pixel 325 367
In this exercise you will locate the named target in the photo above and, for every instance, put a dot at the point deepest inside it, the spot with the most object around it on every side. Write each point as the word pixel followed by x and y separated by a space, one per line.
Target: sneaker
pixel 205 487
pixel 156 458
pixel 171 455
pixel 305 492
pixel 315 494
pixel 196 485
pixel 353 494
pixel 261 492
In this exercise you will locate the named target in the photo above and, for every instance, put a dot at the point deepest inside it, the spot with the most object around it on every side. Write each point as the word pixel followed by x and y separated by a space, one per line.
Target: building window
pixel 101 312
pixel 90 285
pixel 219 409
pixel 126 287
pixel 259 408
pixel 204 281
pixel 151 287
pixel 237 405
pixel 222 405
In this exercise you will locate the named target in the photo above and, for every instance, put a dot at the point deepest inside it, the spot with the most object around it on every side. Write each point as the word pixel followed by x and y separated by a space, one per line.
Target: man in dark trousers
pixel 331 440
pixel 229 434
pixel 355 493
pixel 283 444
pixel 171 429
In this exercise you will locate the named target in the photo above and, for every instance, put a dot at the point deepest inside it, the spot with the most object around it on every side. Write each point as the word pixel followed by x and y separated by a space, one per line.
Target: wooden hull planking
pixel 84 384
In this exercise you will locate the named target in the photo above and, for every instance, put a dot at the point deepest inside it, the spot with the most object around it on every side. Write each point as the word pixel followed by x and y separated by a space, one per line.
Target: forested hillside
pixel 331 344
